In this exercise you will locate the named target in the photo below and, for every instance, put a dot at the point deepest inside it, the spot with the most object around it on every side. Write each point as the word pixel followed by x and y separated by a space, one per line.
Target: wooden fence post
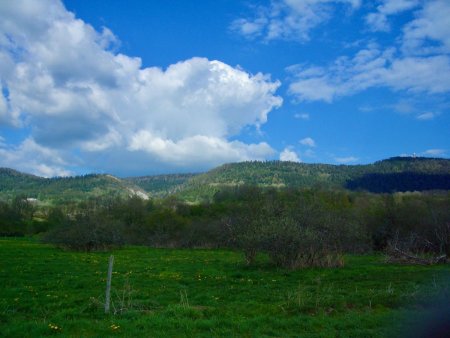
pixel 108 283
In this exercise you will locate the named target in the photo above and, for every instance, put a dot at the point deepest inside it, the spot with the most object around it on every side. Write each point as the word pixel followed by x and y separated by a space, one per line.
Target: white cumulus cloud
pixel 34 158
pixel 74 92
pixel 210 149
pixel 289 155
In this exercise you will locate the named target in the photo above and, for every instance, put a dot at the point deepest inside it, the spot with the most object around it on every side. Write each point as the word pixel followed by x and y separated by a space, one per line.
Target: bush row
pixel 295 228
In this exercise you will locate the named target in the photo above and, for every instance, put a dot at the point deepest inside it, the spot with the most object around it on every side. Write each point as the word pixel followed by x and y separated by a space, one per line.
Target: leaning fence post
pixel 108 283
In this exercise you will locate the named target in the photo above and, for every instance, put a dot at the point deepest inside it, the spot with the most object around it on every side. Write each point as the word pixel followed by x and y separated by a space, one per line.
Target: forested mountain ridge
pixel 14 183
pixel 394 174
pixel 391 175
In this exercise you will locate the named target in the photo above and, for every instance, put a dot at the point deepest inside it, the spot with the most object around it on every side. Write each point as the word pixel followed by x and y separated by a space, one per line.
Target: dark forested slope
pixel 394 174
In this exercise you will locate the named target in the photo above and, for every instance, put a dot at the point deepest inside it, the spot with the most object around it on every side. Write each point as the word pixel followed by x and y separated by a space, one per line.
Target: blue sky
pixel 146 87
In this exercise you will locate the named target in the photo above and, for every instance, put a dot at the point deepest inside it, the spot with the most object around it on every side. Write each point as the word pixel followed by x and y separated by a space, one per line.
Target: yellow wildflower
pixel 114 327
pixel 54 327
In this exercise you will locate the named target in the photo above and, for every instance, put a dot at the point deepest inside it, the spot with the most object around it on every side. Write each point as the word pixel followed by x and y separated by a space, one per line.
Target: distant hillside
pixel 14 183
pixel 161 185
pixel 391 175
pixel 394 174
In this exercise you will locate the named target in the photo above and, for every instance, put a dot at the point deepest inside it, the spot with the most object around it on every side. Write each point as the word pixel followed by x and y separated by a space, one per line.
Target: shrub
pixel 415 222
pixel 296 230
pixel 203 234
pixel 87 233
pixel 163 227
pixel 293 245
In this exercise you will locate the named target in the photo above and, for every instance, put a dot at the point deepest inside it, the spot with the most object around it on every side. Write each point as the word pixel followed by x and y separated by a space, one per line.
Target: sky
pixel 171 86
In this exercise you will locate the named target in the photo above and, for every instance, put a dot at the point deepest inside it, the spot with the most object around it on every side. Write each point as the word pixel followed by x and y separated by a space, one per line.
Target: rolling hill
pixel 14 183
pixel 391 175
pixel 394 174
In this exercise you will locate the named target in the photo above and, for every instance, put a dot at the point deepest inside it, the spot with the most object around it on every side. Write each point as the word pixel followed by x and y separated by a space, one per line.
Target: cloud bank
pixel 62 79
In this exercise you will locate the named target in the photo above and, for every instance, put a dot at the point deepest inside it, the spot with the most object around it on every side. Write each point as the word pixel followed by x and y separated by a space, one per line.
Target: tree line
pixel 294 227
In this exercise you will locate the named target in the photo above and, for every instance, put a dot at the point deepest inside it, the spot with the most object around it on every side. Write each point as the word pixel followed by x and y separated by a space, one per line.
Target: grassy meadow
pixel 202 293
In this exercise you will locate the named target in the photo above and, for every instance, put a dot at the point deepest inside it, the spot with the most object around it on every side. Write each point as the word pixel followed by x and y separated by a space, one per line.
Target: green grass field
pixel 176 293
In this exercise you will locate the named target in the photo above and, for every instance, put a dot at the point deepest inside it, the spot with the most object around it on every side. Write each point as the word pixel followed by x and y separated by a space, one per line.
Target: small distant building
pixel 32 200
